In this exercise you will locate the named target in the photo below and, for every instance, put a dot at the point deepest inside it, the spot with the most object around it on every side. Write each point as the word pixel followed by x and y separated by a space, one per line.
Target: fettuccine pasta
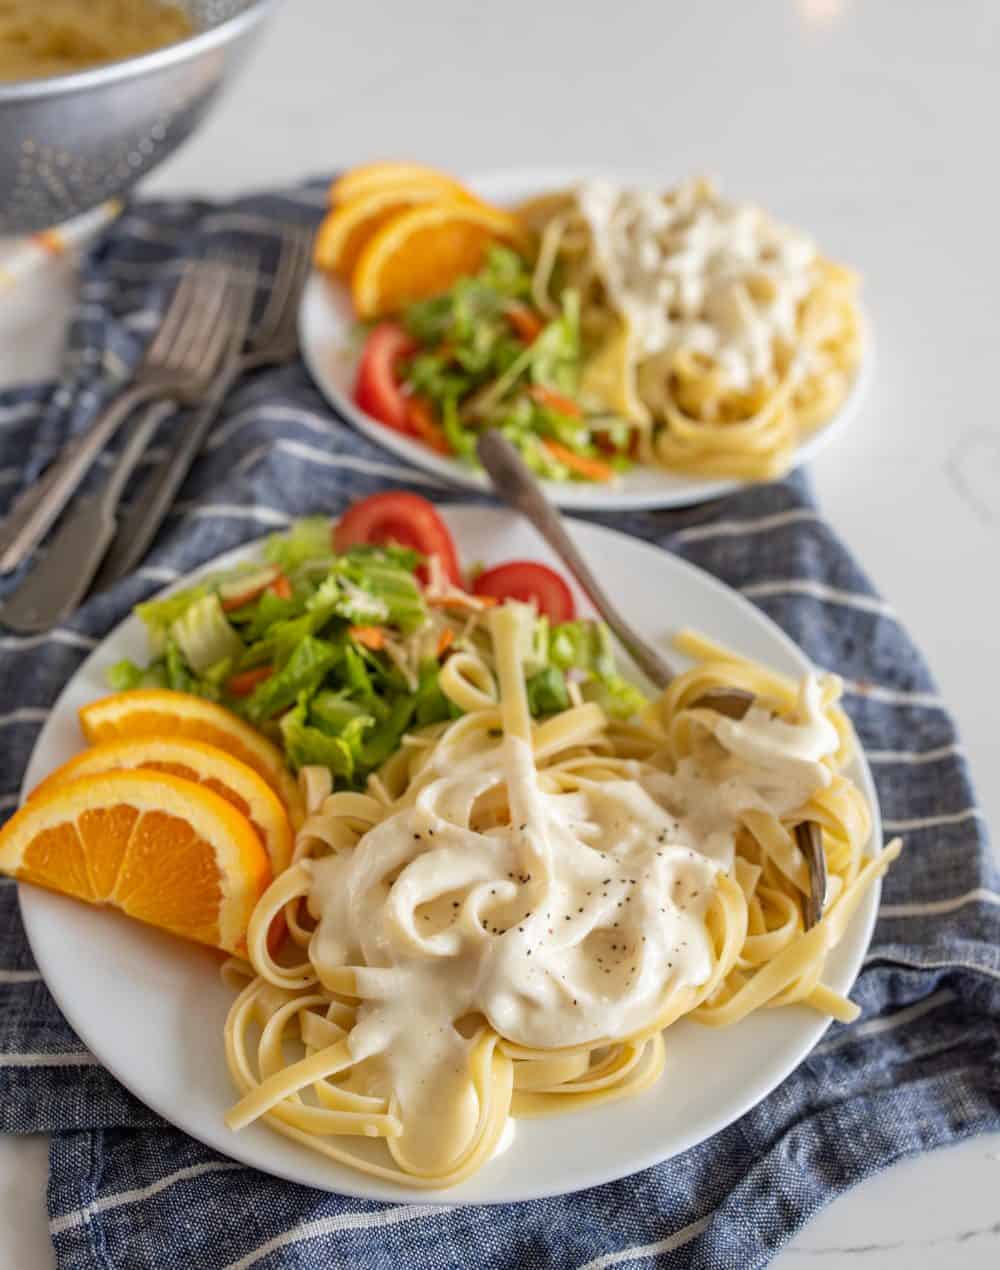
pixel 723 338
pixel 510 919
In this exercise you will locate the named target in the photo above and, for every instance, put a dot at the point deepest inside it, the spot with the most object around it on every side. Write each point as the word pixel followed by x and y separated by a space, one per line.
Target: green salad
pixel 337 655
pixel 482 354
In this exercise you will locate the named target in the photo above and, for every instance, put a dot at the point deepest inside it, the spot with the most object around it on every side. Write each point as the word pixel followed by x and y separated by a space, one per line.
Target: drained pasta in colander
pixel 67 35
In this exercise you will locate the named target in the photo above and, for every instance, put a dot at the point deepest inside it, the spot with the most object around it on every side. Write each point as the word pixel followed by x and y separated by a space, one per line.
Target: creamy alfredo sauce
pixel 565 927
pixel 696 272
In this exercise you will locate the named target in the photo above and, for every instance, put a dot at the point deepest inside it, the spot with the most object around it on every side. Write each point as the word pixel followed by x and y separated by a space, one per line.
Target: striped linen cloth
pixel 918 1070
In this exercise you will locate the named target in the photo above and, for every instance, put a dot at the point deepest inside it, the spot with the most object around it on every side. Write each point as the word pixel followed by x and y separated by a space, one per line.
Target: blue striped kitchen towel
pixel 917 1071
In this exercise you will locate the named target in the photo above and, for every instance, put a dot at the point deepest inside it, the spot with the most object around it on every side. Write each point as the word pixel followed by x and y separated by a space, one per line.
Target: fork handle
pixel 60 579
pixel 33 513
pixel 514 482
pixel 140 525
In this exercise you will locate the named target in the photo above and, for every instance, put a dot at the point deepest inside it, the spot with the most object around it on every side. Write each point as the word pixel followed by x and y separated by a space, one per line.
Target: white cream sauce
pixel 565 926
pixel 693 271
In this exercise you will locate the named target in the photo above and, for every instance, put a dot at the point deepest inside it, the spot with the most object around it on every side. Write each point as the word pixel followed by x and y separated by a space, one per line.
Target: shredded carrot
pixel 461 601
pixel 556 401
pixel 445 640
pixel 243 683
pixel 281 587
pixel 240 598
pixel 592 469
pixel 526 323
pixel 421 419
pixel 372 637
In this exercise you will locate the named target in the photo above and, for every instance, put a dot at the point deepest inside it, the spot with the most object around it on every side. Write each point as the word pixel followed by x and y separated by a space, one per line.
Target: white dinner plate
pixel 327 335
pixel 152 1007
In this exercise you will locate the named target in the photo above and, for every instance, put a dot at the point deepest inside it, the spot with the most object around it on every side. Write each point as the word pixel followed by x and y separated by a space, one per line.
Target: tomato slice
pixel 377 389
pixel 400 517
pixel 529 582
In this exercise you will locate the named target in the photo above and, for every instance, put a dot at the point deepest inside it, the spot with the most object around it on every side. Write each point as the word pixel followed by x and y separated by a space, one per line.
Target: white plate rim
pixel 324 316
pixel 41 915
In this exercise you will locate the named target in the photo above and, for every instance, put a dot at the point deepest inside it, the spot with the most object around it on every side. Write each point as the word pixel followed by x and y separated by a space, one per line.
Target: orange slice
pixel 349 226
pixel 387 173
pixel 206 765
pixel 163 850
pixel 161 713
pixel 421 252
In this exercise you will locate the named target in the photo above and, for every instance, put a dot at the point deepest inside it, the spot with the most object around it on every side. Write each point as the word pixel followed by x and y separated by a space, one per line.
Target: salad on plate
pixel 334 645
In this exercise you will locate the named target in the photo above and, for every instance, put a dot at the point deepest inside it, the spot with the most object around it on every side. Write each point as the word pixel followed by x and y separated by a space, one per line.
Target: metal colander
pixel 69 142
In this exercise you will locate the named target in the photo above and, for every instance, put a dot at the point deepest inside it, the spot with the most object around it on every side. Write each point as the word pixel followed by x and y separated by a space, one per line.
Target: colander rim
pixel 135 67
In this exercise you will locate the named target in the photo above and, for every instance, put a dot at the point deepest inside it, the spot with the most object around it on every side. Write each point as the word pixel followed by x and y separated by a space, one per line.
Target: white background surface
pixel 872 123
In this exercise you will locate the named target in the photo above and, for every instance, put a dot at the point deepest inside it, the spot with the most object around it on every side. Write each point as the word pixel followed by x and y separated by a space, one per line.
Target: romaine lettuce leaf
pixel 305 745
pixel 124 676
pixel 159 615
pixel 301 675
pixel 547 693
pixel 203 634
pixel 307 539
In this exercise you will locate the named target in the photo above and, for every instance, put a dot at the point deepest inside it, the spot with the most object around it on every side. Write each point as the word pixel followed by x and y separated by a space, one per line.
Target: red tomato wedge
pixel 400 517
pixel 377 389
pixel 529 582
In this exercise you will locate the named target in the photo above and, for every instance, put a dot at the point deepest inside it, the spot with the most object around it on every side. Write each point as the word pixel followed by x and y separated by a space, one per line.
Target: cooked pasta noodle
pixel 507 922
pixel 721 336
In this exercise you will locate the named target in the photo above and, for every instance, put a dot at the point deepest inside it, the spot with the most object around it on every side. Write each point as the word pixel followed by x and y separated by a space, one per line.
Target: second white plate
pixel 326 331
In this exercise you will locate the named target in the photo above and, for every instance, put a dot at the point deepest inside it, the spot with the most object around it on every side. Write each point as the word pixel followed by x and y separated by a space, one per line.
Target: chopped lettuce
pixel 485 357
pixel 307 540
pixel 255 620
pixel 124 676
pixel 615 695
pixel 159 615
pixel 301 675
pixel 179 677
pixel 547 692
pixel 203 634
pixel 306 744
pixel 431 705
pixel 586 648
pixel 390 592
pixel 329 697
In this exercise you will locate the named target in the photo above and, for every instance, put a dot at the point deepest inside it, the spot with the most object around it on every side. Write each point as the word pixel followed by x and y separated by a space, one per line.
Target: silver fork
pixel 514 483
pixel 177 364
pixel 274 339
pixel 66 568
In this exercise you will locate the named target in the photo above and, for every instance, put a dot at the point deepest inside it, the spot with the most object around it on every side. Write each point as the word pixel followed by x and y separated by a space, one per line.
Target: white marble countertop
pixel 873 125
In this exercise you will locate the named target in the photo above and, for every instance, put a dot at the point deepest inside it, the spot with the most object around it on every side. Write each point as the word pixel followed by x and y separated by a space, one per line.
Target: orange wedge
pixel 206 765
pixel 157 712
pixel 388 173
pixel 161 849
pixel 423 251
pixel 349 226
